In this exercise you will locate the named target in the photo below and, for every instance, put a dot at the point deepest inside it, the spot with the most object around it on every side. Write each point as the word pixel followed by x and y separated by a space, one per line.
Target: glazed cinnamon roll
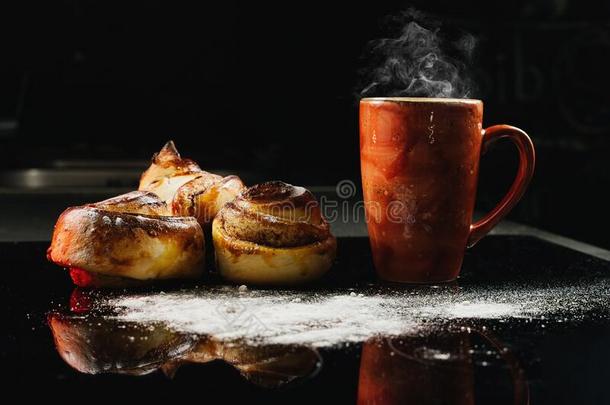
pixel 188 190
pixel 273 233
pixel 126 240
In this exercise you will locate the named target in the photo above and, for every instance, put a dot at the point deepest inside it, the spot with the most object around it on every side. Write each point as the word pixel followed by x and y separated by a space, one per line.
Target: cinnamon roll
pixel 125 240
pixel 188 190
pixel 273 233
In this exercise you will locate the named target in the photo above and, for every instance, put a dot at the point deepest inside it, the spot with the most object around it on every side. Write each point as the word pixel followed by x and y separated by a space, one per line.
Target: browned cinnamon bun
pixel 273 233
pixel 188 190
pixel 129 237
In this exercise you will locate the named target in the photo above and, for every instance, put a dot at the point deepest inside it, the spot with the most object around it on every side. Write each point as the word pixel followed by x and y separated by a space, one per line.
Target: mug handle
pixel 527 161
pixel 521 391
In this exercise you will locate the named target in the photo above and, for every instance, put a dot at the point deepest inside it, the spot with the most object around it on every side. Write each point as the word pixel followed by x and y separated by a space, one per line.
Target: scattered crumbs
pixel 242 288
pixel 106 220
pixel 352 294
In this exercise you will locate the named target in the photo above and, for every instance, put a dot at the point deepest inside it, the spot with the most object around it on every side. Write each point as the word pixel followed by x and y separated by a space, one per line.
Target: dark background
pixel 272 89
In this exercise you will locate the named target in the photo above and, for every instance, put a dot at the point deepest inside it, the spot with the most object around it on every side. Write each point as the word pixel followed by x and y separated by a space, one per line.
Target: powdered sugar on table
pixel 327 318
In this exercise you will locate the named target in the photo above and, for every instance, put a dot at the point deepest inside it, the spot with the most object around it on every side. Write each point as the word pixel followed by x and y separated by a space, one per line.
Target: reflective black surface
pixel 555 353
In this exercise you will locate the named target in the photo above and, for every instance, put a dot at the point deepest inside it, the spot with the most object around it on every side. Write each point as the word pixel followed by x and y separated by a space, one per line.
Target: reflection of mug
pixel 427 369
pixel 420 164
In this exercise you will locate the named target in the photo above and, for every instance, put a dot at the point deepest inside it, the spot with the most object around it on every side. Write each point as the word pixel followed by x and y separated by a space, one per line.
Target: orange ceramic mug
pixel 420 163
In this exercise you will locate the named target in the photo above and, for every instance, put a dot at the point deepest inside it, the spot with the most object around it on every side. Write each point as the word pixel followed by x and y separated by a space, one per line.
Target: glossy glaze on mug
pixel 420 164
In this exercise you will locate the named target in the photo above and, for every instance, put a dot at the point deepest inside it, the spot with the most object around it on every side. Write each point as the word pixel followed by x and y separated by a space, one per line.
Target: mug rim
pixel 421 100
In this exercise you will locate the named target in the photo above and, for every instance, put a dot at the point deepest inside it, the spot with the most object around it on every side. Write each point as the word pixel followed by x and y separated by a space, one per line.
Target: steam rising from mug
pixel 417 63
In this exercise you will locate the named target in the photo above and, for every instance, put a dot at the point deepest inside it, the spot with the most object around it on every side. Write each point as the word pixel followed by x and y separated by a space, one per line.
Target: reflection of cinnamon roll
pixel 129 237
pixel 273 233
pixel 105 346
pixel 188 190
pixel 96 344
pixel 274 365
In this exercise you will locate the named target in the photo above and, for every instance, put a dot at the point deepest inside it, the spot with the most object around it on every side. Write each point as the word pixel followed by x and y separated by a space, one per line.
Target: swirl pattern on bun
pixel 273 233
pixel 185 188
pixel 126 239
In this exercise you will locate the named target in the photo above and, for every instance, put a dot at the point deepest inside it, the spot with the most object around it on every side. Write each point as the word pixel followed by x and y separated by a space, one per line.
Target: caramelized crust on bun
pixel 273 233
pixel 185 188
pixel 129 236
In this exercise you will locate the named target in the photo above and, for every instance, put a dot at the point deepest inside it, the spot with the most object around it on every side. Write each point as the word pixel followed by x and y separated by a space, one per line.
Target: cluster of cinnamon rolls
pixel 271 233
